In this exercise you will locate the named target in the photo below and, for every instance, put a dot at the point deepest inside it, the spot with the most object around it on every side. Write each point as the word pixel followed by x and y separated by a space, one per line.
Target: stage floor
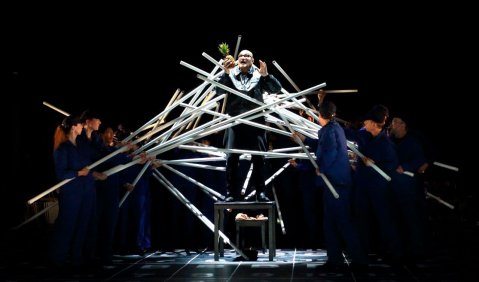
pixel 289 265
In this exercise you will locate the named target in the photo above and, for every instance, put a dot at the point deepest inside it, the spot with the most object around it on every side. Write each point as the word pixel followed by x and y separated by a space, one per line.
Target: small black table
pixel 219 208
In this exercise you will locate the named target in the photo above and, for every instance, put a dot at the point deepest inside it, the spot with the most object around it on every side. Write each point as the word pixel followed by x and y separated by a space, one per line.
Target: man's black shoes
pixel 229 199
pixel 261 197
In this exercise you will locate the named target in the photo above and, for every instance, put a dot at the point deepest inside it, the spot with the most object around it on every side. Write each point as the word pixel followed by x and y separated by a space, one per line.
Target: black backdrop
pixel 127 70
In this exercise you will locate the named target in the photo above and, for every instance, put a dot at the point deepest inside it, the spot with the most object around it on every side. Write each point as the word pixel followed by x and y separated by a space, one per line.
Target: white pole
pixel 162 118
pixel 271 178
pixel 55 108
pixel 35 215
pixel 280 216
pixel 168 185
pixel 281 70
pixel 281 150
pixel 446 166
pixel 207 98
pixel 245 184
pixel 292 82
pixel 193 160
pixel 408 173
pixel 134 183
pixel 210 192
pixel 440 200
pixel 237 47
pixel 225 123
pixel 216 168
pixel 192 115
pixel 278 172
pixel 177 102
pixel 342 91
pixel 48 191
pixel 374 166
pixel 251 152
pixel 211 59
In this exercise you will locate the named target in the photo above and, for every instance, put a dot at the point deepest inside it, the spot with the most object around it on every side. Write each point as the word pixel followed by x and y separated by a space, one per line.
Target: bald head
pixel 245 60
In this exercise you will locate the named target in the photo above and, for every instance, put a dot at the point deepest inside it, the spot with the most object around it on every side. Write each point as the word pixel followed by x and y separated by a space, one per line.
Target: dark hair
pixel 378 114
pixel 407 118
pixel 69 122
pixel 89 114
pixel 327 110
pixel 63 130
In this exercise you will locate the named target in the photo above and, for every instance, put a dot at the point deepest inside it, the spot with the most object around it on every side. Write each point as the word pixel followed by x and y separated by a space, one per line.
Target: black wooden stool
pixel 219 208
pixel 251 223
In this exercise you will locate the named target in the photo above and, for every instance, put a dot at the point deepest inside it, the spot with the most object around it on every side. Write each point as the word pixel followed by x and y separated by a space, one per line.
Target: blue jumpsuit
pixel 373 192
pixel 404 188
pixel 75 225
pixel 333 162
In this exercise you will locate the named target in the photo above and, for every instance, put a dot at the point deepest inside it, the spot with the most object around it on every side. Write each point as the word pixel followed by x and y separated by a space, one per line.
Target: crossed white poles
pixel 180 132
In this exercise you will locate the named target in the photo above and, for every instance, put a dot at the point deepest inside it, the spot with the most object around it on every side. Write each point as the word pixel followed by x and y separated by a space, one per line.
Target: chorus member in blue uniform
pixel 340 232
pixel 76 199
pixel 405 186
pixel 311 196
pixel 251 81
pixel 91 136
pixel 108 193
pixel 135 213
pixel 373 191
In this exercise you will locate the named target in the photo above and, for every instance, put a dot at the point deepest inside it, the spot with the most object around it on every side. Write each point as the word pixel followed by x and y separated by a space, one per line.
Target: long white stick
pixel 251 152
pixel 282 150
pixel 248 122
pixel 162 118
pixel 192 115
pixel 245 184
pixel 281 70
pixel 440 200
pixel 446 166
pixel 55 108
pixel 278 172
pixel 168 185
pixel 121 167
pixel 176 103
pixel 223 124
pixel 207 98
pixel 185 64
pixel 342 91
pixel 178 93
pixel 271 178
pixel 48 191
pixel 313 162
pixel 203 166
pixel 237 47
pixel 193 160
pixel 236 92
pixel 374 166
pixel 191 133
pixel 35 215
pixel 292 82
pixel 280 216
pixel 134 183
pixel 195 101
pixel 303 107
pixel 215 62
pixel 210 192
pixel 187 111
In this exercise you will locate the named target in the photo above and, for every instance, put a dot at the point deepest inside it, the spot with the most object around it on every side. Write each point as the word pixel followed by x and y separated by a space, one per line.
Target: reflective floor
pixel 452 255
pixel 289 265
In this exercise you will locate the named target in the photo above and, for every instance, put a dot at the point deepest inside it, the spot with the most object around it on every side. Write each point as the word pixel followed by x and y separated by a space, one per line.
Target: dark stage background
pixel 128 71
